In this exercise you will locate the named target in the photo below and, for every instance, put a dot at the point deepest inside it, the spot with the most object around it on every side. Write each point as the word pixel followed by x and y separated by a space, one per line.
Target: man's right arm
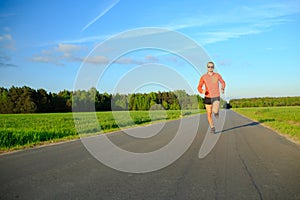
pixel 201 82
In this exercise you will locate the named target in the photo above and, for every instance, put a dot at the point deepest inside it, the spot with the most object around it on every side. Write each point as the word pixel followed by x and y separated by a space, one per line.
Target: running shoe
pixel 213 130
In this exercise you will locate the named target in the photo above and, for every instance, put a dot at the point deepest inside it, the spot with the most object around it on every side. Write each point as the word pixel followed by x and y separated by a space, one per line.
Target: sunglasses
pixel 210 67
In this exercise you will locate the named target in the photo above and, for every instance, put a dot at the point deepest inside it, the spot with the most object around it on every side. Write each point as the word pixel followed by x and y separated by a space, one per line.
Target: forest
pixel 27 100
pixel 264 102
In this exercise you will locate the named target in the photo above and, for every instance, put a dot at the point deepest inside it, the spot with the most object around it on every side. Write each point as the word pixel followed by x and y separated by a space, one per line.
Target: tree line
pixel 265 102
pixel 27 100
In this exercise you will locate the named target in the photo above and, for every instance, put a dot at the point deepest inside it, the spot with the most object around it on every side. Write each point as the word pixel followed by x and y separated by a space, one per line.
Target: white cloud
pixel 5 37
pixel 217 36
pixel 7 45
pixel 47 59
pixel 59 54
pixel 63 53
pixel 7 42
pixel 72 53
pixel 151 58
pixel 68 48
pixel 96 60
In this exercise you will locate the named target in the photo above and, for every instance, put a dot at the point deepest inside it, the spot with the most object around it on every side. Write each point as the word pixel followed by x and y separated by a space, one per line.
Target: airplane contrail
pixel 100 15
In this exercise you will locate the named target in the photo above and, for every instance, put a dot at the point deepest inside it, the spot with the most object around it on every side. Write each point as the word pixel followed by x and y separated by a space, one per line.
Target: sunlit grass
pixel 285 120
pixel 25 130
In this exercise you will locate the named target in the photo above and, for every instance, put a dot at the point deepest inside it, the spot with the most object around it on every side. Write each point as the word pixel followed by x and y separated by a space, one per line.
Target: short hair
pixel 210 62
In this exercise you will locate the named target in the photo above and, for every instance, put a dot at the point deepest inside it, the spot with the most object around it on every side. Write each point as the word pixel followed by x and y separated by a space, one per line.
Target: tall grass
pixel 22 130
pixel 285 120
pixel 17 130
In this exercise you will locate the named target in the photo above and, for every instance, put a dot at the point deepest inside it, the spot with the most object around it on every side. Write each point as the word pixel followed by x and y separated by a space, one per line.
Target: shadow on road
pixel 241 126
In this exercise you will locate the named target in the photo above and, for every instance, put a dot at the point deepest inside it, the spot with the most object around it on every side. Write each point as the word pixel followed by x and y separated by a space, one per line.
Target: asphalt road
pixel 249 161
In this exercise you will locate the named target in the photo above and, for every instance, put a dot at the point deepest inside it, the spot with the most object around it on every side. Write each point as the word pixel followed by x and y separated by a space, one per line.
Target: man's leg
pixel 215 108
pixel 208 108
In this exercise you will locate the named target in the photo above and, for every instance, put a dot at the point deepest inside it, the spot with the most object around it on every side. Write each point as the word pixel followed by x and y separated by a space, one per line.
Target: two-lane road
pixel 249 161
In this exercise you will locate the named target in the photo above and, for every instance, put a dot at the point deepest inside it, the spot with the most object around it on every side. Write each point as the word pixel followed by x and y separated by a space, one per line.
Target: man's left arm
pixel 223 83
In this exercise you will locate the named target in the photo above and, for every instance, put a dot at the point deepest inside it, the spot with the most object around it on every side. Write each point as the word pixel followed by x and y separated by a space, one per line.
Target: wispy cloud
pixel 7 42
pixel 223 35
pixel 83 40
pixel 5 61
pixel 225 62
pixel 5 65
pixel 204 28
pixel 5 15
pixel 101 14
pixel 7 45
pixel 47 59
pixel 216 27
pixel 68 48
pixel 65 53
pixel 239 21
pixel 59 54
pixel 151 58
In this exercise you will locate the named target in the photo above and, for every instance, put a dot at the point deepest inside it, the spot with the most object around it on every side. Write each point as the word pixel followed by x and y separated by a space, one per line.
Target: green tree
pixel 5 103
pixel 43 101
pixel 119 102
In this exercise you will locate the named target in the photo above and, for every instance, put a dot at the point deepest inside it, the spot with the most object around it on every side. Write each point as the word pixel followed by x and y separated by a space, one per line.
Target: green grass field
pixel 285 120
pixel 26 130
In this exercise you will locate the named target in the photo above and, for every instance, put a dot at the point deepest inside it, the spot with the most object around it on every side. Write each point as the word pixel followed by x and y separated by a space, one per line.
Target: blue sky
pixel 255 44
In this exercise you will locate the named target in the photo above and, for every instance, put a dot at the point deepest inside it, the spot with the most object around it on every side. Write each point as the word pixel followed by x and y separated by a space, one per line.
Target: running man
pixel 212 93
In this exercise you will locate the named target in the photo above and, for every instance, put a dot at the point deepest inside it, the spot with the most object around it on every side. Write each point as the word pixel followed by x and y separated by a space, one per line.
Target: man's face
pixel 210 67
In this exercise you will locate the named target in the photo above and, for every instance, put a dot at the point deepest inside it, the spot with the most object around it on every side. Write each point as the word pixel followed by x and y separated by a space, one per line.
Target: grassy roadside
pixel 19 131
pixel 285 120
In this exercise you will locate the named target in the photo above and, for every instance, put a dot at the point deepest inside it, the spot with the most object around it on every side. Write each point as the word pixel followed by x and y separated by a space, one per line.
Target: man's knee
pixel 215 106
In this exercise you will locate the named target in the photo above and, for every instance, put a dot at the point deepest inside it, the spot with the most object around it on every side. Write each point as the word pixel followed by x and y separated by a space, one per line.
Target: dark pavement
pixel 249 161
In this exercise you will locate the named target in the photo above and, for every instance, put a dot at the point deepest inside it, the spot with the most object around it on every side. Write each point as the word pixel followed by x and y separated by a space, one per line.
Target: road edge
pixel 286 136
